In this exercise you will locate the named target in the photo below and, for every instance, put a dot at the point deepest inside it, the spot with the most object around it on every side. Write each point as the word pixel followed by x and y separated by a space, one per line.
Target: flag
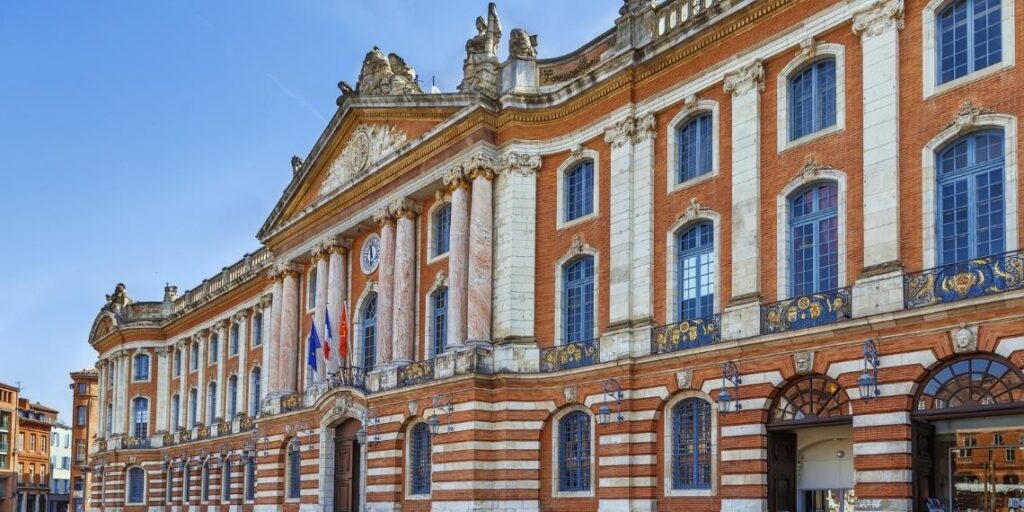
pixel 343 333
pixel 327 334
pixel 314 345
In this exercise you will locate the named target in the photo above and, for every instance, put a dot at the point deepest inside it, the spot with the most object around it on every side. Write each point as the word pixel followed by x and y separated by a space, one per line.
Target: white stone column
pixel 879 288
pixel 119 392
pixel 101 371
pixel 337 291
pixel 619 137
pixel 244 340
pixel 481 257
pixel 742 316
pixel 404 327
pixel 269 325
pixel 515 240
pixel 163 385
pixel 458 257
pixel 288 350
pixel 385 296
pixel 203 339
pixel 642 223
pixel 183 380
pixel 223 330
pixel 320 255
pixel 271 366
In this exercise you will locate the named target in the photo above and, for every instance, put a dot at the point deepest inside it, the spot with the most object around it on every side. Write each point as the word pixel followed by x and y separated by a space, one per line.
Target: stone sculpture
pixel 118 300
pixel 383 75
pixel 522 45
pixel 481 68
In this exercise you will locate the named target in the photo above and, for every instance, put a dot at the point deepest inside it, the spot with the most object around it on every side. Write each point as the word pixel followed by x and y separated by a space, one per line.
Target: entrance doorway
pixel 810 448
pixel 347 467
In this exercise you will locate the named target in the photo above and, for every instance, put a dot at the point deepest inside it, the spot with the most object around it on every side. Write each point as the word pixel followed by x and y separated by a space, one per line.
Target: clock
pixel 370 255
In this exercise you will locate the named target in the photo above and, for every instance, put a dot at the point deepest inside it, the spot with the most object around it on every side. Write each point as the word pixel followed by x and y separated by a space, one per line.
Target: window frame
pixel 577 157
pixel 433 225
pixel 669 441
pixel 311 285
pixel 929 183
pixel 431 319
pixel 676 259
pixel 293 470
pixel 813 220
pixel 255 391
pixel 364 303
pixel 136 368
pixel 257 330
pixel 818 52
pixel 232 398
pixel 561 323
pixel 135 420
pixel 782 235
pixel 211 402
pixel 234 339
pixel 693 108
pixel 929 48
pixel 556 453
pixel 412 467
pixel 128 491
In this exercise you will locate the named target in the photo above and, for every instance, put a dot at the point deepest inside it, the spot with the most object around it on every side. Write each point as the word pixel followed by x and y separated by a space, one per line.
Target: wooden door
pixel 923 446
pixel 781 472
pixel 346 468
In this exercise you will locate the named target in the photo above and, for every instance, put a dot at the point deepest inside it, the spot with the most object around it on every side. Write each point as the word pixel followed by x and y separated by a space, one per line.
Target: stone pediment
pixel 368 144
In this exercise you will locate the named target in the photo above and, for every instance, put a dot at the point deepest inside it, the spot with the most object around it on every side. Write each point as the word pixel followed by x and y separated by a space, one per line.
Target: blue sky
pixel 146 142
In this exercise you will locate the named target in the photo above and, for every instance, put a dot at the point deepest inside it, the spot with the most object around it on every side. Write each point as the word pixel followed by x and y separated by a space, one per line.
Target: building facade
pixel 8 454
pixel 85 417
pixel 746 255
pixel 60 464
pixel 35 422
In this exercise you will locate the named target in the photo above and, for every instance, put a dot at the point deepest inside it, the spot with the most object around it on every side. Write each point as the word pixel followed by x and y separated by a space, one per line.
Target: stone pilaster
pixel 288 350
pixel 481 257
pixel 182 380
pixel 273 341
pixel 337 290
pixel 742 316
pixel 515 239
pixel 224 331
pixel 458 257
pixel 320 255
pixel 404 327
pixel 244 339
pixel 101 401
pixel 879 288
pixel 162 377
pixel 203 340
pixel 385 294
pixel 619 136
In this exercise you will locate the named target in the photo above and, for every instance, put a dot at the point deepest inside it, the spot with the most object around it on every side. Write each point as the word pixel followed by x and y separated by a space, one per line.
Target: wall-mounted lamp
pixel 868 380
pixel 612 394
pixel 726 401
pixel 442 407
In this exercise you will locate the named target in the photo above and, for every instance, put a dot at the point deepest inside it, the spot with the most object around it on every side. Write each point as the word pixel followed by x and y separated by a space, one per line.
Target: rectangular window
pixel 81 416
pixel 233 345
pixel 250 478
pixel 311 288
pixel 812 99
pixel 579 191
pixel 214 348
pixel 257 329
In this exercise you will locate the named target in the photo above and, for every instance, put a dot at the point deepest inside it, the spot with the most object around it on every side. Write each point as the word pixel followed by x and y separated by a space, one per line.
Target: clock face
pixel 370 257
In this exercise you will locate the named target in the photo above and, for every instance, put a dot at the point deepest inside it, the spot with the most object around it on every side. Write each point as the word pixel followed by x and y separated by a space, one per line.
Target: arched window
pixel 194 357
pixel 175 412
pixel 233 345
pixel 232 397
pixel 696 272
pixel 225 480
pixel 294 468
pixel 574 452
pixel 177 362
pixel 369 319
pixel 193 408
pixel 257 330
pixel 419 459
pixel 578 300
pixel 439 319
pixel 140 417
pixel 211 403
pixel 972 382
pixel 812 98
pixel 814 240
pixel 971 217
pixel 168 483
pixel 692 450
pixel 1011 479
pixel 255 394
pixel 810 398
pixel 136 485
pixel 186 483
pixel 695 145
pixel 141 364
pixel 579 191
pixel 204 486
pixel 214 348
pixel 969 37
pixel 250 478
pixel 442 229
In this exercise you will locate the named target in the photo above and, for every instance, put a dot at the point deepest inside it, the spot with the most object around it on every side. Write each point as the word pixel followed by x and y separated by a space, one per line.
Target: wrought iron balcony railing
pixel 570 355
pixel 416 373
pixel 806 311
pixel 137 443
pixel 964 280
pixel 686 334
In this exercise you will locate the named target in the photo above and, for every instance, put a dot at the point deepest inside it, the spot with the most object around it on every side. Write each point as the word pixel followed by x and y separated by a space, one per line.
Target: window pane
pixel 579 191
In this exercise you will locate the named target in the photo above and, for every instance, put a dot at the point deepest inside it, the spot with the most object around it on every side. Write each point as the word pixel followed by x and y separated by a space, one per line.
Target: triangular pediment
pixel 363 138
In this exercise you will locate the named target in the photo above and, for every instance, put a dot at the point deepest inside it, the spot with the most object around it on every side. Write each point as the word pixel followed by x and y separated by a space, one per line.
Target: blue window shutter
pixel 695 268
pixel 574 452
pixel 691 444
pixel 578 300
pixel 814 240
pixel 971 217
pixel 419 459
pixel 370 333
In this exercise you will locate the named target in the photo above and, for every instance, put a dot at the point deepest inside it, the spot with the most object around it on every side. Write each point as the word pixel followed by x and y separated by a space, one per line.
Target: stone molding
pixel 521 164
pixel 967 116
pixel 878 17
pixel 745 79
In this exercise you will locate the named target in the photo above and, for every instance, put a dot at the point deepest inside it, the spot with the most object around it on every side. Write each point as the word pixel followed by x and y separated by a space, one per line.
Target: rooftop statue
pixel 481 67
pixel 118 300
pixel 383 76
pixel 296 164
pixel 522 45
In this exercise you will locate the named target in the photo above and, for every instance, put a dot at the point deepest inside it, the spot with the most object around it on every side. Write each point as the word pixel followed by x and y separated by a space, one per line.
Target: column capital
pixel 620 132
pixel 745 79
pixel 320 250
pixel 878 17
pixel 202 334
pixel 404 207
pixel 482 172
pixel 265 301
pixel 522 164
pixel 338 244
pixel 283 268
pixel 163 351
pixel 454 178
pixel 645 128
pixel 223 324
pixel 183 343
pixel 241 314
pixel 383 216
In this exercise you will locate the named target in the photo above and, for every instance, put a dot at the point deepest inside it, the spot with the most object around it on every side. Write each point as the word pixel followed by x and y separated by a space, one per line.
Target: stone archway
pixel 348 471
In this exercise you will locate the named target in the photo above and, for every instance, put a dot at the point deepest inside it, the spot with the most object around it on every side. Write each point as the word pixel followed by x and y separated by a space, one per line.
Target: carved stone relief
pixel 368 145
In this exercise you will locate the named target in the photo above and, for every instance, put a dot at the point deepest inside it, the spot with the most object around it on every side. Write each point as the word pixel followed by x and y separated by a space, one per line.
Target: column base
pixel 742 319
pixel 875 293
pixel 381 379
pixel 517 358
pixel 463 360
